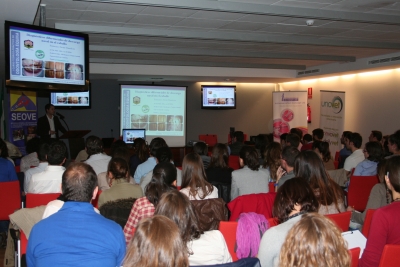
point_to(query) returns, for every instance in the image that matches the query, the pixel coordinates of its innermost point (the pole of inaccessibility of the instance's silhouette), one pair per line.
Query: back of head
(293, 140)
(272, 158)
(43, 150)
(141, 149)
(294, 191)
(297, 131)
(239, 136)
(314, 241)
(200, 148)
(164, 175)
(121, 152)
(318, 134)
(57, 153)
(374, 150)
(307, 138)
(117, 145)
(377, 135)
(219, 156)
(394, 139)
(33, 145)
(119, 168)
(356, 139)
(94, 145)
(155, 144)
(249, 156)
(323, 148)
(381, 170)
(164, 154)
(289, 154)
(393, 172)
(78, 182)
(3, 149)
(283, 136)
(157, 242)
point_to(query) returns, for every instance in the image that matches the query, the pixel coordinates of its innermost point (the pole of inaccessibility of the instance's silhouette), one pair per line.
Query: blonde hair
(314, 241)
(157, 242)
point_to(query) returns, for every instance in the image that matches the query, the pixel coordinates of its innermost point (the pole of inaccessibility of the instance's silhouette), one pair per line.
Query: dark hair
(33, 145)
(141, 149)
(119, 168)
(310, 166)
(239, 136)
(394, 139)
(155, 144)
(219, 156)
(78, 182)
(94, 145)
(57, 153)
(289, 154)
(272, 158)
(48, 106)
(377, 135)
(164, 174)
(346, 134)
(179, 208)
(261, 143)
(293, 139)
(295, 190)
(356, 139)
(3, 149)
(375, 151)
(121, 152)
(323, 148)
(297, 131)
(319, 133)
(283, 136)
(194, 176)
(200, 148)
(116, 145)
(307, 138)
(381, 170)
(393, 170)
(164, 154)
(43, 150)
(249, 156)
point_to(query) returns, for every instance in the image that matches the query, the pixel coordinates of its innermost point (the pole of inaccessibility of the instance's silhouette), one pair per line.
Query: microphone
(61, 116)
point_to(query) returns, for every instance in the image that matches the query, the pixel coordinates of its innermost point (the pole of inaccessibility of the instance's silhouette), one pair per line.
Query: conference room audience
(237, 143)
(375, 136)
(97, 159)
(201, 148)
(282, 139)
(394, 145)
(219, 170)
(329, 194)
(344, 152)
(164, 180)
(31, 158)
(385, 145)
(373, 154)
(353, 143)
(251, 179)
(293, 199)
(293, 140)
(141, 154)
(42, 156)
(194, 179)
(322, 149)
(287, 159)
(272, 159)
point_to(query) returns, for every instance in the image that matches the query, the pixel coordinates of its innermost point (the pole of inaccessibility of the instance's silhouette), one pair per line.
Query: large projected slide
(161, 110)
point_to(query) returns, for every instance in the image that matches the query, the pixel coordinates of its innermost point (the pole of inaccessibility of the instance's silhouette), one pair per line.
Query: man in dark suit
(49, 125)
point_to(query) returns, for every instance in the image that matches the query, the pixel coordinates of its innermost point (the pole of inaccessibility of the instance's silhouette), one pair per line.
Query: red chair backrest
(228, 230)
(209, 139)
(337, 156)
(359, 190)
(10, 199)
(24, 242)
(96, 200)
(259, 203)
(342, 220)
(272, 222)
(271, 187)
(355, 255)
(34, 200)
(367, 222)
(336, 164)
(390, 256)
(234, 162)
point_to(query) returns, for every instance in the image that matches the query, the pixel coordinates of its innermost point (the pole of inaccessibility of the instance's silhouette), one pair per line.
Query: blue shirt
(76, 236)
(7, 171)
(366, 168)
(144, 169)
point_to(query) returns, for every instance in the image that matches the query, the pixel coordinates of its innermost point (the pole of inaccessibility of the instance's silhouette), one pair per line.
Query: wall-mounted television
(45, 58)
(71, 99)
(218, 97)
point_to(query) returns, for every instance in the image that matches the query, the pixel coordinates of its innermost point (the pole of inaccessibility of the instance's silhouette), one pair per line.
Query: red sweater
(384, 230)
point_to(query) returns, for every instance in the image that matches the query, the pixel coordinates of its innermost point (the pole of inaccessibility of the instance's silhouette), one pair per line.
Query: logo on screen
(336, 104)
(39, 54)
(28, 44)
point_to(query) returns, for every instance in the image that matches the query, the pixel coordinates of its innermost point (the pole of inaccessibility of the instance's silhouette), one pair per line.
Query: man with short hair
(317, 135)
(353, 143)
(283, 139)
(375, 136)
(49, 180)
(237, 143)
(289, 154)
(97, 159)
(49, 125)
(42, 153)
(293, 140)
(76, 235)
(344, 152)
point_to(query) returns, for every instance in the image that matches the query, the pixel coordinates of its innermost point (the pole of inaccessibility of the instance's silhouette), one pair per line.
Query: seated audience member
(322, 149)
(375, 136)
(82, 156)
(76, 235)
(385, 146)
(385, 222)
(353, 143)
(219, 170)
(394, 145)
(141, 154)
(237, 143)
(150, 163)
(317, 135)
(293, 140)
(163, 154)
(251, 179)
(344, 152)
(293, 199)
(42, 153)
(373, 154)
(164, 180)
(283, 140)
(157, 242)
(7, 170)
(299, 133)
(97, 159)
(203, 248)
(261, 142)
(314, 241)
(49, 180)
(194, 179)
(329, 194)
(118, 172)
(285, 172)
(272, 159)
(307, 139)
(31, 159)
(378, 197)
(201, 148)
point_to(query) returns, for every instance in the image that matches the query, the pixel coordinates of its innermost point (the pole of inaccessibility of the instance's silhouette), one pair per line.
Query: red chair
(336, 164)
(259, 203)
(359, 190)
(209, 139)
(342, 220)
(337, 156)
(271, 187)
(367, 222)
(272, 222)
(234, 162)
(10, 199)
(390, 256)
(355, 255)
(228, 230)
(24, 242)
(34, 200)
(95, 202)
(17, 169)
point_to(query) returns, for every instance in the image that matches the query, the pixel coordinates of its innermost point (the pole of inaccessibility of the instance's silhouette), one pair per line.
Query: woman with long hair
(373, 153)
(322, 149)
(293, 199)
(329, 194)
(141, 154)
(219, 170)
(314, 241)
(163, 180)
(272, 159)
(385, 222)
(203, 248)
(157, 242)
(194, 179)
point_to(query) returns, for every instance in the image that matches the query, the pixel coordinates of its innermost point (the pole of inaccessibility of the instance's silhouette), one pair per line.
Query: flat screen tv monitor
(70, 100)
(45, 58)
(218, 97)
(129, 135)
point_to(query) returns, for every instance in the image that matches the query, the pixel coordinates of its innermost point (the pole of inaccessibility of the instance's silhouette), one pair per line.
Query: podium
(75, 140)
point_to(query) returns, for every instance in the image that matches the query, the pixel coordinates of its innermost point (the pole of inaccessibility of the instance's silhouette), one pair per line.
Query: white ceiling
(237, 35)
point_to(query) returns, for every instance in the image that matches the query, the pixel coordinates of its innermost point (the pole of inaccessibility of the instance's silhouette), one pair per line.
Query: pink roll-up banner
(289, 111)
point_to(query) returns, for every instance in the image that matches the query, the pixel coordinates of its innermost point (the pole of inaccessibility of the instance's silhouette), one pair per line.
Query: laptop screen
(129, 135)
